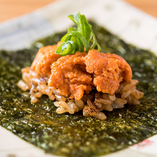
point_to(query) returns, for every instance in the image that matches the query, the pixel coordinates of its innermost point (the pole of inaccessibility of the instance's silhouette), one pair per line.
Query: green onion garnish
(79, 39)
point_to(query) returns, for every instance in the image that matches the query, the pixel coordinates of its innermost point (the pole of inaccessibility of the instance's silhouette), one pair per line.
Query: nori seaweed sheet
(75, 135)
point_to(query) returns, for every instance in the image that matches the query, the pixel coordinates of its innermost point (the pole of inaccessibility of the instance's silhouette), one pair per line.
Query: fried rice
(92, 104)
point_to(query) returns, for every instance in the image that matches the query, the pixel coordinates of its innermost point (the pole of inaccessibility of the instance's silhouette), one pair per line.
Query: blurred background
(13, 8)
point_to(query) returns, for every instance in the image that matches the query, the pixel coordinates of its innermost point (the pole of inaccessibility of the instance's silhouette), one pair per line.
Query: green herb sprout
(79, 39)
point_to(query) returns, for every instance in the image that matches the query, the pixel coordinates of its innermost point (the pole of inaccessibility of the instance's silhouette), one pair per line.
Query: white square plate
(129, 23)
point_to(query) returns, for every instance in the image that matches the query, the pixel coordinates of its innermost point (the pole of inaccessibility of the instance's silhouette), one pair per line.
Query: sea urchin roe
(68, 75)
(108, 70)
(44, 58)
(74, 75)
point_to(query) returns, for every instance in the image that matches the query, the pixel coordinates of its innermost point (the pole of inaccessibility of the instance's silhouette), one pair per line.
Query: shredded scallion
(79, 39)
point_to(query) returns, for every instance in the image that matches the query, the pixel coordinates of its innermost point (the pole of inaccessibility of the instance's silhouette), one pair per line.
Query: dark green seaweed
(75, 135)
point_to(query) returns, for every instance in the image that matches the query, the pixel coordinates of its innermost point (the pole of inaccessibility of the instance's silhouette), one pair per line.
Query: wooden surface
(13, 8)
